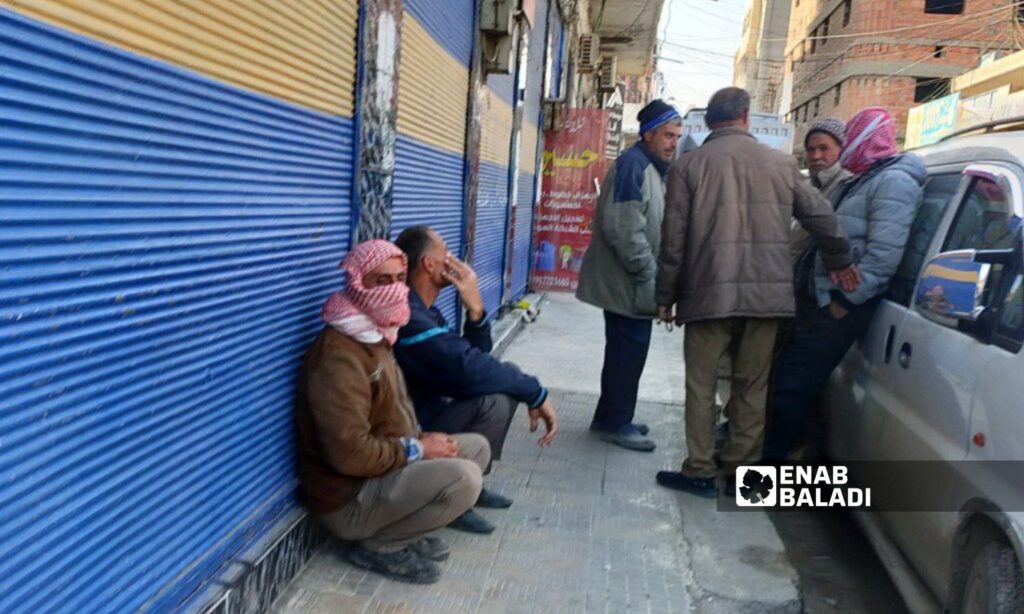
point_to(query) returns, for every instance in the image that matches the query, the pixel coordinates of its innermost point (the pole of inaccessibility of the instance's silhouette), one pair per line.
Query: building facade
(180, 182)
(759, 61)
(845, 55)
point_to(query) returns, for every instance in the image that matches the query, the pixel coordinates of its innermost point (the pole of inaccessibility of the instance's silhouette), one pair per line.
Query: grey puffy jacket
(876, 209)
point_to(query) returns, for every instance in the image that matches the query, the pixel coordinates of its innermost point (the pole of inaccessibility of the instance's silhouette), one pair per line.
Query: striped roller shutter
(433, 93)
(493, 190)
(526, 181)
(175, 190)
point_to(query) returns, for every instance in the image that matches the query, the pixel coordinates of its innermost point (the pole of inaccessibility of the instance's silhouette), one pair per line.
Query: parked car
(940, 377)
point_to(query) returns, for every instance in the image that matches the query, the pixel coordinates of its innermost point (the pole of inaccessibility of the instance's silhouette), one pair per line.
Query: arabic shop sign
(573, 169)
(928, 123)
(614, 107)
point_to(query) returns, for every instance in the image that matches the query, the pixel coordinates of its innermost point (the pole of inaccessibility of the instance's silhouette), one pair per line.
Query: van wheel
(994, 583)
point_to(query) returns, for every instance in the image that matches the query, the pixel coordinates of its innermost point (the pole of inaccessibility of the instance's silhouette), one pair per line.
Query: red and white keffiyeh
(369, 315)
(870, 137)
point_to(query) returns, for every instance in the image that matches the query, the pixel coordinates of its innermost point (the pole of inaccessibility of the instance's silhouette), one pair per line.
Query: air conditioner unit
(590, 51)
(607, 76)
(498, 16)
(498, 54)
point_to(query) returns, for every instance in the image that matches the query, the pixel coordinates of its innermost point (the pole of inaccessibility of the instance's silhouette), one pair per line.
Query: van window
(985, 219)
(939, 190)
(1010, 329)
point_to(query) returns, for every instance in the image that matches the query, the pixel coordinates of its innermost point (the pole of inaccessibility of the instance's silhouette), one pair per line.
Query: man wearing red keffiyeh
(367, 470)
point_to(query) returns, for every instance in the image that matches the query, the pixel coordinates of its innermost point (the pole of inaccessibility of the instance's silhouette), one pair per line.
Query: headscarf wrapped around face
(870, 137)
(369, 314)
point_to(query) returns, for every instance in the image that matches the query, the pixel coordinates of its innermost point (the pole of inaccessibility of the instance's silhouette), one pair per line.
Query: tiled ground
(589, 532)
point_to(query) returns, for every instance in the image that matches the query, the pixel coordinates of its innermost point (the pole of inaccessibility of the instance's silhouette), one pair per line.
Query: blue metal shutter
(167, 243)
(493, 192)
(437, 43)
(531, 136)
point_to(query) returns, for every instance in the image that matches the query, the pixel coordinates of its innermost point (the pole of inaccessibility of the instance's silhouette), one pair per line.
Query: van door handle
(905, 353)
(889, 340)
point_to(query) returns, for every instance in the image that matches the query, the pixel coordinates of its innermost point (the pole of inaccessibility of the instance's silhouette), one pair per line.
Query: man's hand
(847, 279)
(545, 412)
(438, 445)
(666, 314)
(838, 311)
(463, 277)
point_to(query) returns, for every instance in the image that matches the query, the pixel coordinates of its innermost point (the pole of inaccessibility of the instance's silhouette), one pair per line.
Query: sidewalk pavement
(590, 531)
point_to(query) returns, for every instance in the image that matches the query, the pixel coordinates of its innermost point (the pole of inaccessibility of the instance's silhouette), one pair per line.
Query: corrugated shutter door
(168, 239)
(493, 191)
(529, 138)
(437, 41)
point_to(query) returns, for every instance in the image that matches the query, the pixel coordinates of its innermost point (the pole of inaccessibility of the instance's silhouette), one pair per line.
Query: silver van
(940, 377)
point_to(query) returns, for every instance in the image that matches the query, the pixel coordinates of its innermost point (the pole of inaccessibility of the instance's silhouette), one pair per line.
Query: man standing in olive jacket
(725, 271)
(619, 268)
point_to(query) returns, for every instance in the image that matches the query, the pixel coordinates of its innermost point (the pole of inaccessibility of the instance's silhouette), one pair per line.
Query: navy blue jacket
(440, 366)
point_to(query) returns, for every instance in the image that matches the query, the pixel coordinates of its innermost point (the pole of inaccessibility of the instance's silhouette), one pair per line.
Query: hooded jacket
(876, 209)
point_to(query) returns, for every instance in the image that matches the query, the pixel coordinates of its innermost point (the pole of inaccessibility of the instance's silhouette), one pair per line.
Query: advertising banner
(573, 167)
(928, 123)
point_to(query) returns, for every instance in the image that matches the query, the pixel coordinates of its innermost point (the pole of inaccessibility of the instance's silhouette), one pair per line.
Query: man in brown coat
(725, 272)
(368, 473)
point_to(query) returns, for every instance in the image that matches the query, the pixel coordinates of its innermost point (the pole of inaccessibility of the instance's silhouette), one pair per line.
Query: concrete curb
(508, 326)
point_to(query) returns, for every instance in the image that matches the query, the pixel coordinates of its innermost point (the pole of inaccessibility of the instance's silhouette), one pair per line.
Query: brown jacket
(725, 238)
(351, 411)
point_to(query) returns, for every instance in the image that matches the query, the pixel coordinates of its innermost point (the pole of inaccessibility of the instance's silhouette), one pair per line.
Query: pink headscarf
(870, 137)
(369, 315)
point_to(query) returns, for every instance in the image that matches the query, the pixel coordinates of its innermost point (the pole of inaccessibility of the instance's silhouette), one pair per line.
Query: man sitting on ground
(367, 471)
(455, 383)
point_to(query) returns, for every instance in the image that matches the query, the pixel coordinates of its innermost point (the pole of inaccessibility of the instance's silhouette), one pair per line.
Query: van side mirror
(952, 288)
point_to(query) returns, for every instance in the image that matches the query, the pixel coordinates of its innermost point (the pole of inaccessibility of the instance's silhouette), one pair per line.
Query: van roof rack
(987, 127)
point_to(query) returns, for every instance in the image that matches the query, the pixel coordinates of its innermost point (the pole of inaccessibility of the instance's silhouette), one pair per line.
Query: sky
(709, 32)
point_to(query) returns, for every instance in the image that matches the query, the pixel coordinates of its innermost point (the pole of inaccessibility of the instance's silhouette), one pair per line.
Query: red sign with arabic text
(573, 167)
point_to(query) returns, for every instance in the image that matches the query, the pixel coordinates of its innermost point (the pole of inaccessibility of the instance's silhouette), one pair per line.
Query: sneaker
(471, 522)
(599, 427)
(630, 438)
(404, 565)
(702, 487)
(492, 500)
(431, 549)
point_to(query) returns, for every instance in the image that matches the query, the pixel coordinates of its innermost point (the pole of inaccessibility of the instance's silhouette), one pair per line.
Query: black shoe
(730, 486)
(702, 487)
(599, 427)
(471, 522)
(431, 549)
(492, 500)
(404, 565)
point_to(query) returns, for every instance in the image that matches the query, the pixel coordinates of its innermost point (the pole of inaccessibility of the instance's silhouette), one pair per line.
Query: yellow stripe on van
(300, 51)
(433, 90)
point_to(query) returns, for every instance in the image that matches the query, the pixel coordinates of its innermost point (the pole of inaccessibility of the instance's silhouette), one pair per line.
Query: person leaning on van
(876, 209)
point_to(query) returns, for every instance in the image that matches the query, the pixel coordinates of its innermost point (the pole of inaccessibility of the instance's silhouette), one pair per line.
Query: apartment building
(844, 55)
(758, 65)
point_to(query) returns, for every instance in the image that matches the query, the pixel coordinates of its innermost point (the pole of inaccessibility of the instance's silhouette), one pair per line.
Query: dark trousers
(490, 416)
(817, 344)
(627, 341)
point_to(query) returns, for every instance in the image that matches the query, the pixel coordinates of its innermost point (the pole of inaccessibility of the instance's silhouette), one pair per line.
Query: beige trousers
(705, 344)
(395, 510)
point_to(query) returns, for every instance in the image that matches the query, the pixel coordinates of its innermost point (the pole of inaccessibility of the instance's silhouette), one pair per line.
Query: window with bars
(847, 7)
